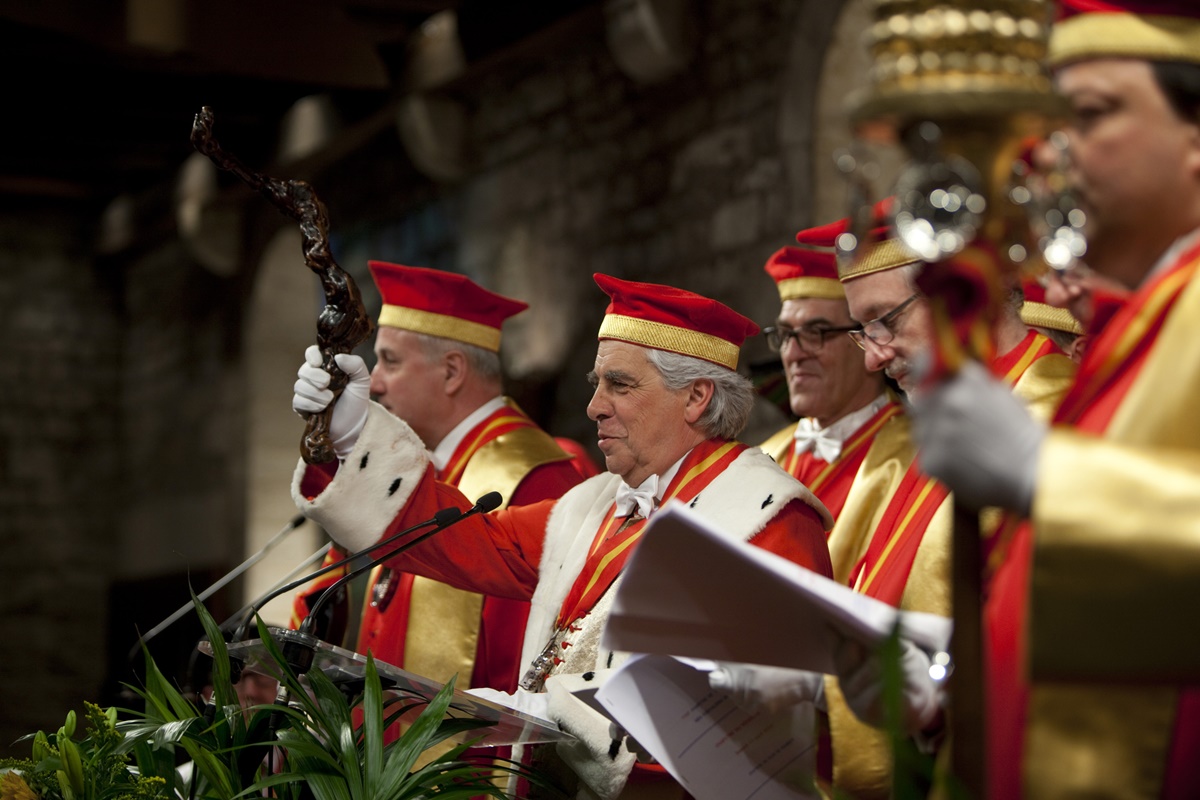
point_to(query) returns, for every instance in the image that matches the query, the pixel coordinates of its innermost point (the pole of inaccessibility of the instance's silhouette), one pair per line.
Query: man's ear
(700, 394)
(454, 364)
(1079, 347)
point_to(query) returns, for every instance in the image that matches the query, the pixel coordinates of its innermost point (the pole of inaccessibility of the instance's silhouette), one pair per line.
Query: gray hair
(483, 363)
(911, 272)
(733, 395)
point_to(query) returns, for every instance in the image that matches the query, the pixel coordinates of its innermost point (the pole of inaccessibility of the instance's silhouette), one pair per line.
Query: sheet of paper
(713, 747)
(691, 590)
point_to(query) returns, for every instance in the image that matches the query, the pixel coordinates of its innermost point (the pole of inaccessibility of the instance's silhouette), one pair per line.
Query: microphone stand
(441, 519)
(271, 595)
(292, 525)
(279, 584)
(299, 647)
(251, 610)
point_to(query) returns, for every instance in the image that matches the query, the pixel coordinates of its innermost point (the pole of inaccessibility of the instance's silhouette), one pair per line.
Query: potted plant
(323, 744)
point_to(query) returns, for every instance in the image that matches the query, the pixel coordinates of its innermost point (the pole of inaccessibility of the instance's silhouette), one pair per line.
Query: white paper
(691, 590)
(534, 704)
(712, 746)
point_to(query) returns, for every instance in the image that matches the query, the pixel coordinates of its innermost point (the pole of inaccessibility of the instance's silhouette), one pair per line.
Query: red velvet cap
(443, 304)
(823, 235)
(1155, 30)
(1035, 311)
(826, 235)
(675, 320)
(880, 252)
(801, 273)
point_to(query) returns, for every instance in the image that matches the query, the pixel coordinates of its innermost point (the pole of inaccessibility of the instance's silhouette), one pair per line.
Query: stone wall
(577, 168)
(60, 459)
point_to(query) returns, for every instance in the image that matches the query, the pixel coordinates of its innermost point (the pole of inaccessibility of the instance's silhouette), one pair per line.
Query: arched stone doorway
(280, 324)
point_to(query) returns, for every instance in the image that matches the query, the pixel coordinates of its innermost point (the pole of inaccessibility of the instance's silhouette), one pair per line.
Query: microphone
(442, 520)
(442, 517)
(299, 647)
(292, 525)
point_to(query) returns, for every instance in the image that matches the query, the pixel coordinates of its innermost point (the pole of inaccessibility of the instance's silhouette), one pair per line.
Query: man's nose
(597, 408)
(878, 356)
(792, 350)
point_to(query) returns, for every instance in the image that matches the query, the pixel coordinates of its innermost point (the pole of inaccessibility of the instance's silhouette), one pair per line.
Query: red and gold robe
(856, 486)
(908, 561)
(1092, 663)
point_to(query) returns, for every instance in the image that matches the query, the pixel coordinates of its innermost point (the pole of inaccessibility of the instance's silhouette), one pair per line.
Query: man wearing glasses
(903, 557)
(852, 441)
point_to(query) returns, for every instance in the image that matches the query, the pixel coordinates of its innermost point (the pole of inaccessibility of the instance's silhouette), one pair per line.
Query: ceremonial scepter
(343, 323)
(964, 88)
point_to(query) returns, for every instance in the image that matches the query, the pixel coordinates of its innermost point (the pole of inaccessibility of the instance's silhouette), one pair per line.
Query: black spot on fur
(587, 676)
(395, 485)
(363, 463)
(695, 500)
(770, 499)
(608, 661)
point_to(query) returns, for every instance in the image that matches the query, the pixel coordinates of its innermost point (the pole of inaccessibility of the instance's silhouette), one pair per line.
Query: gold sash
(1111, 503)
(442, 638)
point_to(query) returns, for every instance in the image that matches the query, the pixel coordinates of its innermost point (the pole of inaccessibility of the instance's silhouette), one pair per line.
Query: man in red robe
(852, 437)
(1091, 680)
(438, 368)
(668, 404)
(903, 557)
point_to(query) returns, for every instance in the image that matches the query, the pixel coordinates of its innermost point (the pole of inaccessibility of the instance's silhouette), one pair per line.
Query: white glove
(979, 439)
(770, 689)
(860, 677)
(312, 396)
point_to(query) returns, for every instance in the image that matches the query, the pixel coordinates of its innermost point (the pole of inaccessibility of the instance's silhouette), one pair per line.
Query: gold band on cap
(888, 254)
(1042, 315)
(443, 325)
(806, 287)
(670, 338)
(1154, 37)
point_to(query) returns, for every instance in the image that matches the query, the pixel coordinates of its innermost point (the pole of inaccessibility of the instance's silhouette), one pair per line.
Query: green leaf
(372, 725)
(223, 692)
(214, 771)
(417, 738)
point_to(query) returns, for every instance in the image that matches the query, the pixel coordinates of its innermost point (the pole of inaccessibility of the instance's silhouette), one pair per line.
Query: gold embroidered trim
(674, 339)
(820, 288)
(448, 327)
(1149, 36)
(888, 254)
(1041, 315)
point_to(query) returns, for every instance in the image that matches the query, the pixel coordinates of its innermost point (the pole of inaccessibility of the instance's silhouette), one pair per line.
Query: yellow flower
(14, 787)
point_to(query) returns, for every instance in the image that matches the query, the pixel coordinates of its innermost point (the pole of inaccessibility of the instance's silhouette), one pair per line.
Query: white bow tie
(644, 498)
(810, 436)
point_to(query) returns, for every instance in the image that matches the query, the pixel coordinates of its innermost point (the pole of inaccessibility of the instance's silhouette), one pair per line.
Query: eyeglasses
(809, 337)
(881, 330)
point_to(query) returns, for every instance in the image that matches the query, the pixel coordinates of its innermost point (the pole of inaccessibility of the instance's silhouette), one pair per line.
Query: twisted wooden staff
(343, 323)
